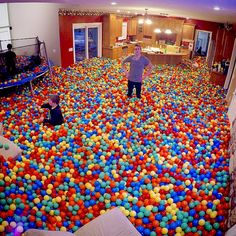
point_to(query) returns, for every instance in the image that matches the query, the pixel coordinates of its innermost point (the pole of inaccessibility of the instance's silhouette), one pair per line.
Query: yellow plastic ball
(49, 191)
(5, 223)
(33, 177)
(132, 213)
(63, 229)
(164, 231)
(186, 171)
(58, 199)
(50, 186)
(168, 208)
(51, 212)
(36, 200)
(102, 212)
(178, 230)
(149, 207)
(204, 202)
(213, 214)
(201, 222)
(126, 212)
(187, 182)
(2, 228)
(13, 207)
(7, 179)
(46, 197)
(88, 185)
(170, 200)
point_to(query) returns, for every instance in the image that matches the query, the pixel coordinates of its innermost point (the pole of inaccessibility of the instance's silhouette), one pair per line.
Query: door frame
(209, 42)
(86, 26)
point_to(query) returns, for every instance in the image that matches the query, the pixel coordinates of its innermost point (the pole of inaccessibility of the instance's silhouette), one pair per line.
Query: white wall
(4, 21)
(37, 19)
(4, 26)
(232, 96)
(230, 84)
(232, 109)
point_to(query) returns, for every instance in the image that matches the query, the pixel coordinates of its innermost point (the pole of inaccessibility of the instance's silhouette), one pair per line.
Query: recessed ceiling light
(113, 3)
(216, 8)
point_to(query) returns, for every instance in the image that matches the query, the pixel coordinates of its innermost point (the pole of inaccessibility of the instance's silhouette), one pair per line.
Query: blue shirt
(136, 67)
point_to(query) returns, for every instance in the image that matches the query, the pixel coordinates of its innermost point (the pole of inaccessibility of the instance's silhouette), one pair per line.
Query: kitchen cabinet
(112, 28)
(118, 26)
(217, 78)
(148, 30)
(132, 26)
(188, 31)
(113, 53)
(186, 52)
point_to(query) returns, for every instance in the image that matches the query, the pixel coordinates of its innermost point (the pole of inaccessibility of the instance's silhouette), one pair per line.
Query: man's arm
(123, 66)
(149, 68)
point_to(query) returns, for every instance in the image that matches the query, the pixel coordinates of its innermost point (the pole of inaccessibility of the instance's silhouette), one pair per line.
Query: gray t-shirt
(136, 67)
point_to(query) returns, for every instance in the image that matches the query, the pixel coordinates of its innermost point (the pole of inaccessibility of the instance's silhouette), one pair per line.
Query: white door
(5, 35)
(87, 41)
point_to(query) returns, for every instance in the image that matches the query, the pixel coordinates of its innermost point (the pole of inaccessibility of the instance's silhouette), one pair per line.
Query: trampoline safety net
(29, 54)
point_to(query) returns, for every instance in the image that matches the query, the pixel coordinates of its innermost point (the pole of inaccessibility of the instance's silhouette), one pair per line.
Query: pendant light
(145, 20)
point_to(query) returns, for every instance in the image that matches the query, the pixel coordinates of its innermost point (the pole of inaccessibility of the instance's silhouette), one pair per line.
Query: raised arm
(127, 59)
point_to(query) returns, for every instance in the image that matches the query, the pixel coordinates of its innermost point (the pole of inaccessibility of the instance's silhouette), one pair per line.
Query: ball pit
(162, 159)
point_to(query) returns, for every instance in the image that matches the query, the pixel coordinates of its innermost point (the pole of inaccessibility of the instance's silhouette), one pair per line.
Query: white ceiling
(193, 9)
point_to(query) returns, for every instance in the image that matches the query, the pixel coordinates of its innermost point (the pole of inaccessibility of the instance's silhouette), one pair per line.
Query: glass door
(79, 44)
(92, 42)
(87, 41)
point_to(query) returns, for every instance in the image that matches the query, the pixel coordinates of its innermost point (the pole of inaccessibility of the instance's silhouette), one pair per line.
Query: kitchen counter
(167, 58)
(115, 52)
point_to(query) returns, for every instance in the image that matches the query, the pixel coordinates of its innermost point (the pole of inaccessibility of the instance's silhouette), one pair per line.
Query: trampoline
(31, 62)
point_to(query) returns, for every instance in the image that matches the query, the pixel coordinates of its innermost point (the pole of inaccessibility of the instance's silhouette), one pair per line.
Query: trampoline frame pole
(46, 55)
(31, 88)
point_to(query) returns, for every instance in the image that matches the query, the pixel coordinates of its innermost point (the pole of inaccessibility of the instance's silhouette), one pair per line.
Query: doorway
(202, 43)
(87, 41)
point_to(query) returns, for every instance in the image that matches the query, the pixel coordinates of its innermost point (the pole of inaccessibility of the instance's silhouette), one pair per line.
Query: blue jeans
(137, 86)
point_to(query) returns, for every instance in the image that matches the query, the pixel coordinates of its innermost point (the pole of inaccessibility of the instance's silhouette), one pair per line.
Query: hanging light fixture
(168, 31)
(157, 30)
(145, 20)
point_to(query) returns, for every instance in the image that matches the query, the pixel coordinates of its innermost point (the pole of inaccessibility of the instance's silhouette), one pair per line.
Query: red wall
(66, 35)
(224, 39)
(205, 25)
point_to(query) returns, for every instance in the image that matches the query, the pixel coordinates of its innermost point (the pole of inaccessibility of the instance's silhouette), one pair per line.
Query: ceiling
(193, 9)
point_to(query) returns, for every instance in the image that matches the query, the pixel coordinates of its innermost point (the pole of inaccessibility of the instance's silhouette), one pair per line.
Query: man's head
(54, 100)
(137, 49)
(9, 46)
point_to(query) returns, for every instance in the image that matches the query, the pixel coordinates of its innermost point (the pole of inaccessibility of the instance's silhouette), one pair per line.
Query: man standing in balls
(135, 75)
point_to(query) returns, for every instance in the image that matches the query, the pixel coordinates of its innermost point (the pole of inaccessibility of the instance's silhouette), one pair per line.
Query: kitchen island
(165, 58)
